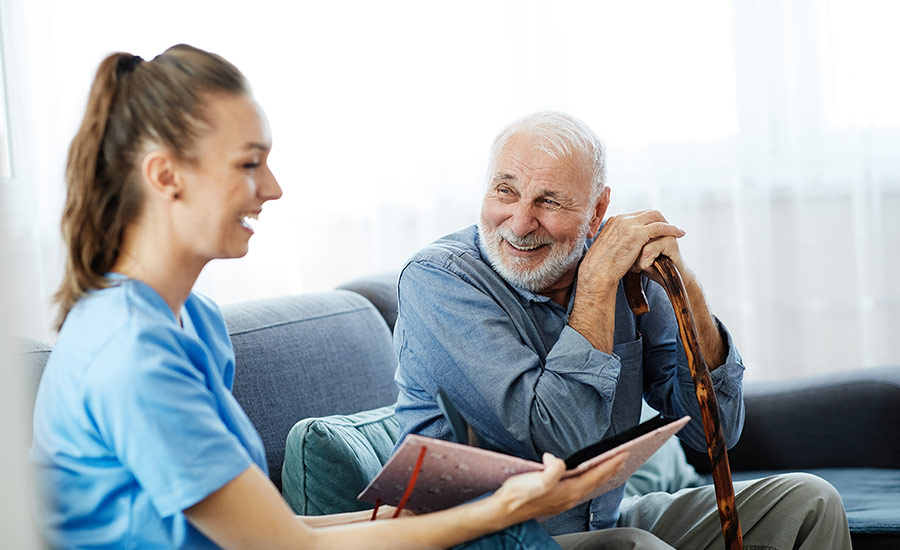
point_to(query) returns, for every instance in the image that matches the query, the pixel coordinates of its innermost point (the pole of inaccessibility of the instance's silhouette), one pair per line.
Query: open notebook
(447, 473)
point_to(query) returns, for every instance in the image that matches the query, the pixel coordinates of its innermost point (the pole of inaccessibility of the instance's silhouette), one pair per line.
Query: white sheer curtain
(769, 130)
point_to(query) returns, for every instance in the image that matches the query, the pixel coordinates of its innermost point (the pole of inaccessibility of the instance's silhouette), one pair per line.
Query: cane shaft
(703, 387)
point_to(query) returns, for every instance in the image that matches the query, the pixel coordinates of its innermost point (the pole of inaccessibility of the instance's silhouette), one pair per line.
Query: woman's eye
(252, 165)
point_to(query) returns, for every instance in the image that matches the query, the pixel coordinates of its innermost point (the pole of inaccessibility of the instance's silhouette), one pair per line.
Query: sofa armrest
(846, 419)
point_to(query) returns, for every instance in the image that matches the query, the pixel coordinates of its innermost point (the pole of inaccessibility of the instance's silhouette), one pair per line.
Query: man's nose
(522, 222)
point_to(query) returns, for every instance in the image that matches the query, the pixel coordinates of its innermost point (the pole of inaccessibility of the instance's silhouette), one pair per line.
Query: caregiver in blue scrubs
(138, 441)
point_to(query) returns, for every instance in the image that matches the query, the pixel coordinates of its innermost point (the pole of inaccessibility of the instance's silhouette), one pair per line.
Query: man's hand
(628, 242)
(631, 242)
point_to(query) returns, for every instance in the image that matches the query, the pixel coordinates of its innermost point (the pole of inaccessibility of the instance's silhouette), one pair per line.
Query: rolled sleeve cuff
(727, 378)
(573, 355)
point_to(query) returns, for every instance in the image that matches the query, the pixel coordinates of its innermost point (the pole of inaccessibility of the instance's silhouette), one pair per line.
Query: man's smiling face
(536, 214)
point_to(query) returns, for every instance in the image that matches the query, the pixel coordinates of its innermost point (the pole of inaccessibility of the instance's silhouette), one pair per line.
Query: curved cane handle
(703, 387)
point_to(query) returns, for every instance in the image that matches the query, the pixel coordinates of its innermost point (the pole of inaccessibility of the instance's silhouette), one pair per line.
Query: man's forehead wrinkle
(535, 170)
(519, 163)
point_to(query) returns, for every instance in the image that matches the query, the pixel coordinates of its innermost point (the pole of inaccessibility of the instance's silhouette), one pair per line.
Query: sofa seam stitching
(296, 321)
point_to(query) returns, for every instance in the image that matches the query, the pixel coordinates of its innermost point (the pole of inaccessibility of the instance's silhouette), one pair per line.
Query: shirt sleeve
(456, 337)
(156, 411)
(669, 387)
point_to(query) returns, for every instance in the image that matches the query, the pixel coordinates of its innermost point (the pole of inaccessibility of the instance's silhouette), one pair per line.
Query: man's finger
(646, 217)
(662, 229)
(652, 250)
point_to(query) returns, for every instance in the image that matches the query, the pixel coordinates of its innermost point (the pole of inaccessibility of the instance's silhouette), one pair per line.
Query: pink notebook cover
(452, 473)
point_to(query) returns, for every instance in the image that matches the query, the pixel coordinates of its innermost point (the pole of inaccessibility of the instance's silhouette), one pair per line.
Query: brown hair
(131, 104)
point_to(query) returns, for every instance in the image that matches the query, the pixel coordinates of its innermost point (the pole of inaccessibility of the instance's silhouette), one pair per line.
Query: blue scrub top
(135, 421)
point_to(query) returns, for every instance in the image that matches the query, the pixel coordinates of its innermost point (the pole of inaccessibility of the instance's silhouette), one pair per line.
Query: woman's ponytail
(86, 258)
(131, 105)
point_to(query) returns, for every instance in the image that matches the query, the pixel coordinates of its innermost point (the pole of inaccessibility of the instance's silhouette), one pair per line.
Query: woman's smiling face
(227, 179)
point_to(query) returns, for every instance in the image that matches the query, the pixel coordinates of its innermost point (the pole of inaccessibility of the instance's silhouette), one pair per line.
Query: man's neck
(560, 290)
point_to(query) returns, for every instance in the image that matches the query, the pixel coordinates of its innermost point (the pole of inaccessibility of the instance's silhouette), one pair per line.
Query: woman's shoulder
(130, 320)
(122, 300)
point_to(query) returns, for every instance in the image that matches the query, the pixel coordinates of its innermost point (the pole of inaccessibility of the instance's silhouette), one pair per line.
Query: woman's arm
(249, 512)
(384, 512)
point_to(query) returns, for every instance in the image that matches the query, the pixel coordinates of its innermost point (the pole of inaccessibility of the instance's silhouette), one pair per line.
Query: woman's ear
(599, 211)
(160, 172)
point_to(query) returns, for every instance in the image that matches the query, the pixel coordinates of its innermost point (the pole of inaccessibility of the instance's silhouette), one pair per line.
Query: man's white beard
(563, 256)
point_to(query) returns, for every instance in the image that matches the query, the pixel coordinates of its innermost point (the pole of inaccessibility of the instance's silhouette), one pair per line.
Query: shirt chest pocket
(629, 353)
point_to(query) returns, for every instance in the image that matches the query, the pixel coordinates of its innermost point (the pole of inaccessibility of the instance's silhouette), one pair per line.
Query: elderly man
(523, 321)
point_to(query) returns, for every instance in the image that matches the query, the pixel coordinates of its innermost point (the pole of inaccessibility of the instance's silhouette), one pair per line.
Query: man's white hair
(558, 135)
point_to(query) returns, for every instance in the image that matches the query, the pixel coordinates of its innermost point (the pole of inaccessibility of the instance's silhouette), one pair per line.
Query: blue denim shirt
(529, 383)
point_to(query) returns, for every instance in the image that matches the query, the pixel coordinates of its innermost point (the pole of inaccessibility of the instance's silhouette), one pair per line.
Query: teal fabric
(667, 470)
(328, 461)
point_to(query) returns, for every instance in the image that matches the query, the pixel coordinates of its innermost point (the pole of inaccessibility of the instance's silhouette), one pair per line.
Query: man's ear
(160, 171)
(599, 211)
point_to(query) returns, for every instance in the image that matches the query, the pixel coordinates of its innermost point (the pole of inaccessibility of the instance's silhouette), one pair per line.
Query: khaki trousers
(785, 512)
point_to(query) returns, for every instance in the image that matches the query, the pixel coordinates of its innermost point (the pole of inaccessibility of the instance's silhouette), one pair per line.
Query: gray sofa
(330, 353)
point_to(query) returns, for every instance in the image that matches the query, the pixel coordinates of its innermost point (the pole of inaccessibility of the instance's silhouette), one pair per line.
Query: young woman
(137, 439)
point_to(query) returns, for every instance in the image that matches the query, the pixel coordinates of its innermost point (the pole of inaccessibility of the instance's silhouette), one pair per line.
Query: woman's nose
(269, 189)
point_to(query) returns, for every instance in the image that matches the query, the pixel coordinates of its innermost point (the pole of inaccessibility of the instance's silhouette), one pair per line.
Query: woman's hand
(539, 494)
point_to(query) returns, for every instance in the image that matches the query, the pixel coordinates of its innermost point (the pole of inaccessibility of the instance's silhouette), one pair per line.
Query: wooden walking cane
(706, 396)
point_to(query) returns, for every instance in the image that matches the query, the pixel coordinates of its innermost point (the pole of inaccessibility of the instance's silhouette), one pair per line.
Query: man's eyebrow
(504, 177)
(561, 198)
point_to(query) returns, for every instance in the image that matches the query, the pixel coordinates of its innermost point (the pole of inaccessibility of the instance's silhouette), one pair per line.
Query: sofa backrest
(296, 357)
(381, 290)
(308, 355)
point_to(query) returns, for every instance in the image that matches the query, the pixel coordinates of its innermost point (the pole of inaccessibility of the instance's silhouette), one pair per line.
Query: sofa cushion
(306, 356)
(329, 461)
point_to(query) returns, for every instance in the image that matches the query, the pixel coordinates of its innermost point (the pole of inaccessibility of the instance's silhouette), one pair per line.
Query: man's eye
(549, 202)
